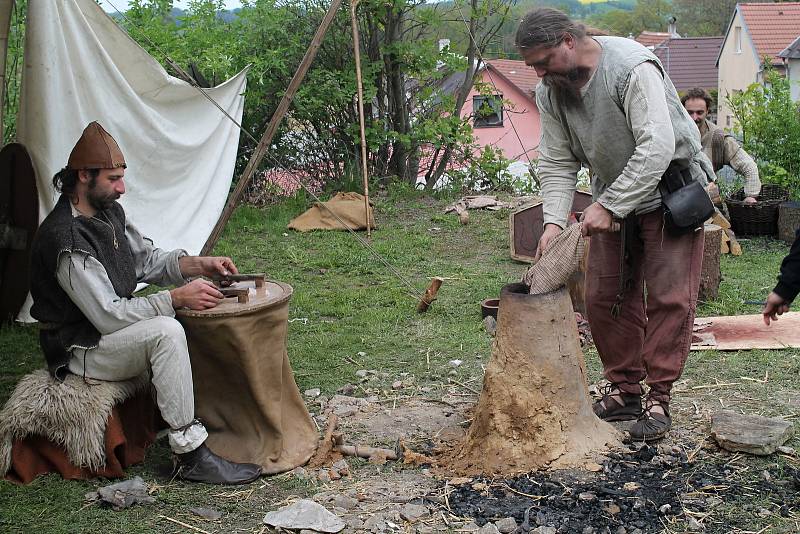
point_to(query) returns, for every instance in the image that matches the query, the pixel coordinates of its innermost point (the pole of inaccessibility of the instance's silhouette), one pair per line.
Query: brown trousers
(651, 337)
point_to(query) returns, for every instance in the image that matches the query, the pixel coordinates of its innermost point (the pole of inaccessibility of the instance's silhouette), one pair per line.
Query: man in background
(721, 148)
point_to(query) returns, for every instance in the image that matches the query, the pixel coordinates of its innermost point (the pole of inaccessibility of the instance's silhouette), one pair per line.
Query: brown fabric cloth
(558, 262)
(131, 428)
(244, 388)
(348, 206)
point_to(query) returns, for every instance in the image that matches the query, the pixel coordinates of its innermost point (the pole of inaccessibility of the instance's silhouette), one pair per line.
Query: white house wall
(737, 69)
(793, 75)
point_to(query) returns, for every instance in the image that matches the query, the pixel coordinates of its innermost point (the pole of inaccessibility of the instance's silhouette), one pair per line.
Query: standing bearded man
(606, 103)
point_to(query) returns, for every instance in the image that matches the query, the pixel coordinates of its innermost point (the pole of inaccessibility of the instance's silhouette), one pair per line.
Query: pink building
(507, 117)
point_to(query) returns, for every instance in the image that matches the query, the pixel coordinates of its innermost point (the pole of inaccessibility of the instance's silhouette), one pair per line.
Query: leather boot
(202, 465)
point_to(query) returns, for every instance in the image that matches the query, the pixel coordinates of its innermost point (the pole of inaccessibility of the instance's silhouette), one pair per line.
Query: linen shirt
(735, 156)
(86, 282)
(645, 107)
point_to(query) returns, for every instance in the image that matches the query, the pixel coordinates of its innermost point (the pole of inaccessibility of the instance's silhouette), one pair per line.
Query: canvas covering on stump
(244, 388)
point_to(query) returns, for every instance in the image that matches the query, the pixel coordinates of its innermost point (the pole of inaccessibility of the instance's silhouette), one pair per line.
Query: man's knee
(167, 329)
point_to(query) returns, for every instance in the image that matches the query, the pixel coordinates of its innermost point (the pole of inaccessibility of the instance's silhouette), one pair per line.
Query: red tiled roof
(652, 38)
(772, 27)
(691, 61)
(516, 72)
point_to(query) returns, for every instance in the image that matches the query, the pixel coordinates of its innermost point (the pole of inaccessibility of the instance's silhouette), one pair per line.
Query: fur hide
(72, 414)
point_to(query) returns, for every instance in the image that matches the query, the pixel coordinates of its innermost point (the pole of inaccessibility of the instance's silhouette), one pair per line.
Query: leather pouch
(686, 203)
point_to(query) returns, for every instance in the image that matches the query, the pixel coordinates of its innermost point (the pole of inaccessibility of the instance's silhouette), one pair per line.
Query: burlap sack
(245, 392)
(558, 262)
(349, 207)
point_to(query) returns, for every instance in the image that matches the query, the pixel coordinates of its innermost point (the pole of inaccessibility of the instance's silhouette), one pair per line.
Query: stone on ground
(489, 528)
(304, 514)
(206, 513)
(507, 525)
(413, 512)
(123, 494)
(345, 502)
(752, 434)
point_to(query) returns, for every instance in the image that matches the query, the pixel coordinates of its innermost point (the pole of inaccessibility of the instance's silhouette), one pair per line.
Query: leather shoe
(202, 465)
(608, 409)
(651, 425)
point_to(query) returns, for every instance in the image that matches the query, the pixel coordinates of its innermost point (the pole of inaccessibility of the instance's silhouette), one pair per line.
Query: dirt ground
(393, 497)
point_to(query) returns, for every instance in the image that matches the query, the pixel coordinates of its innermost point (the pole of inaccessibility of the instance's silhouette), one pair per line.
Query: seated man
(721, 148)
(86, 261)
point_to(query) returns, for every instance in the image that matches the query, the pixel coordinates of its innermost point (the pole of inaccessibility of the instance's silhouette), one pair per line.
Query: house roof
(792, 51)
(652, 38)
(517, 73)
(772, 27)
(691, 61)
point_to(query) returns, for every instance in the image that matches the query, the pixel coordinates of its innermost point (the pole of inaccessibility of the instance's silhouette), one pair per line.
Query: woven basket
(760, 218)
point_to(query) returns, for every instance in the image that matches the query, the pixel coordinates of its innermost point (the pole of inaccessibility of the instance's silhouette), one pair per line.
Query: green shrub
(769, 124)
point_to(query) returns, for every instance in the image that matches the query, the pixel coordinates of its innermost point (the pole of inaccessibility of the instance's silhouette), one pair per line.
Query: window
(737, 35)
(488, 111)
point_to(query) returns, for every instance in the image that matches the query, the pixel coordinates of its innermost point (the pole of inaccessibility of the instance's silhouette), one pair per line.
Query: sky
(183, 4)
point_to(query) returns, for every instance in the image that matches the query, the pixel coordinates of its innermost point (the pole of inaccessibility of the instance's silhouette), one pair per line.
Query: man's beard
(100, 201)
(567, 87)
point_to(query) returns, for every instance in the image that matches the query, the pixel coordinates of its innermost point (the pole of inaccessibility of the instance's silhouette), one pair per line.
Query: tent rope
(414, 292)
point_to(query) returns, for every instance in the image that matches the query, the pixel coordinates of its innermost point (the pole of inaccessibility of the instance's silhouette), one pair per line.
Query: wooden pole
(272, 127)
(430, 294)
(357, 54)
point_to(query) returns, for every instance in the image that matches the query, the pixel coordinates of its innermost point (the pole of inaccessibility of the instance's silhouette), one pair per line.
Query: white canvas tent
(180, 150)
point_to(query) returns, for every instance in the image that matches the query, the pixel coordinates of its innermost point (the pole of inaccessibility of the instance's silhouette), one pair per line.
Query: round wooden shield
(19, 219)
(527, 226)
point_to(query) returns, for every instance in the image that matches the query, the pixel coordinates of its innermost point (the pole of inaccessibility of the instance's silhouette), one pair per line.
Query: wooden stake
(325, 448)
(357, 54)
(272, 127)
(430, 294)
(362, 451)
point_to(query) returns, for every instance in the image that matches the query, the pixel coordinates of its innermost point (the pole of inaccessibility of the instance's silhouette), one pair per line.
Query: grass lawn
(355, 314)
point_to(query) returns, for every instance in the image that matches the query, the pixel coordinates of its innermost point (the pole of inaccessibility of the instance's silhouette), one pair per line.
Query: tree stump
(534, 410)
(788, 220)
(710, 274)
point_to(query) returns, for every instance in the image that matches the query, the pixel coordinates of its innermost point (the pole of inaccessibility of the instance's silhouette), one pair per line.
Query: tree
(646, 15)
(406, 109)
(13, 73)
(769, 123)
(697, 18)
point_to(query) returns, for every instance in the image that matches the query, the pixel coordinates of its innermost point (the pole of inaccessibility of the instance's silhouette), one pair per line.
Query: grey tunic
(630, 127)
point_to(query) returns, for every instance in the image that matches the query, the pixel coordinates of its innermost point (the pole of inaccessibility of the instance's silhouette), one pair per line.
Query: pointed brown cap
(96, 149)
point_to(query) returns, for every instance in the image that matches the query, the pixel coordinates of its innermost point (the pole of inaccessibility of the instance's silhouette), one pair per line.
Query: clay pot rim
(490, 307)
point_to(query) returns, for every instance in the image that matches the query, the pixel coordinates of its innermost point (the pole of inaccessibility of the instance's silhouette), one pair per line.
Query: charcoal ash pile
(642, 490)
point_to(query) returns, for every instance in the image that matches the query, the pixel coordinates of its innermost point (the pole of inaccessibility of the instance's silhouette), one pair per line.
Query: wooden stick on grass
(430, 294)
(181, 523)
